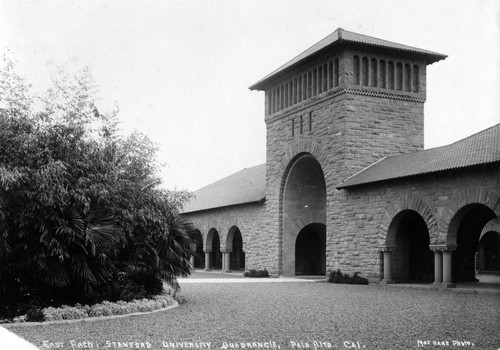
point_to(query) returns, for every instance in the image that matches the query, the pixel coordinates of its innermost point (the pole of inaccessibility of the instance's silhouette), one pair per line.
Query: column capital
(208, 250)
(444, 248)
(226, 251)
(386, 249)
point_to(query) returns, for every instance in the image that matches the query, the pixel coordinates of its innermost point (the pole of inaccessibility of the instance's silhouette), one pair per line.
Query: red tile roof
(478, 149)
(341, 36)
(245, 186)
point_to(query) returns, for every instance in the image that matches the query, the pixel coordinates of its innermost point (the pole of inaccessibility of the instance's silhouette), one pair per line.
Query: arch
(356, 66)
(337, 72)
(275, 100)
(212, 246)
(199, 256)
(295, 90)
(309, 84)
(488, 256)
(302, 147)
(412, 258)
(416, 78)
(390, 75)
(468, 224)
(302, 202)
(314, 82)
(470, 195)
(325, 77)
(373, 72)
(388, 236)
(234, 245)
(399, 76)
(383, 74)
(299, 89)
(491, 226)
(320, 80)
(278, 98)
(364, 71)
(310, 250)
(287, 94)
(407, 77)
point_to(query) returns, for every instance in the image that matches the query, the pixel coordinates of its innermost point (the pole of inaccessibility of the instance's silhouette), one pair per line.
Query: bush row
(106, 308)
(339, 277)
(256, 273)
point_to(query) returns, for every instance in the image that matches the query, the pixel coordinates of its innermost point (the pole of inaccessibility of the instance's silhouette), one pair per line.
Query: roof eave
(258, 201)
(261, 85)
(341, 186)
(264, 82)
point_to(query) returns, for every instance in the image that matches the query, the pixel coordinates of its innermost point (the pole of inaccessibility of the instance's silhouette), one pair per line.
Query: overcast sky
(180, 70)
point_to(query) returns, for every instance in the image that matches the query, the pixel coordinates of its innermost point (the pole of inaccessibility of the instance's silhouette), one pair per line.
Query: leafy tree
(81, 212)
(15, 93)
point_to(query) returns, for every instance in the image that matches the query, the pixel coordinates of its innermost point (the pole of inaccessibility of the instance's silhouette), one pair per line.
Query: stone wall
(369, 210)
(248, 219)
(344, 111)
(344, 132)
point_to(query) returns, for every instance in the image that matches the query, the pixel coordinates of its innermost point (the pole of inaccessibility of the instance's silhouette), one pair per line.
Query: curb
(86, 319)
(451, 290)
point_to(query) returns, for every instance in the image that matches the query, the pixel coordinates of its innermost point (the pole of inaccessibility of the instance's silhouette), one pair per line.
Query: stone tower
(341, 105)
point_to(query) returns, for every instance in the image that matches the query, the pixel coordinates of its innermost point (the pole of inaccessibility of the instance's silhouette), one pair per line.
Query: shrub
(22, 318)
(339, 277)
(106, 308)
(35, 314)
(256, 273)
(51, 314)
(99, 310)
(64, 312)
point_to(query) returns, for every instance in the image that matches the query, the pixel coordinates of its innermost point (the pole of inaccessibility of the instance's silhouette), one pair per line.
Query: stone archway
(234, 246)
(213, 258)
(408, 222)
(413, 203)
(466, 227)
(412, 259)
(488, 256)
(310, 250)
(303, 203)
(198, 260)
(470, 195)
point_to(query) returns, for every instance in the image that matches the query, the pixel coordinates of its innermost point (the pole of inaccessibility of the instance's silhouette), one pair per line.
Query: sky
(180, 70)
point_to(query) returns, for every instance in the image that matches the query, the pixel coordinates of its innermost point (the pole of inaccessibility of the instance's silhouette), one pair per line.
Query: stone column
(438, 265)
(447, 267)
(223, 261)
(191, 259)
(207, 261)
(227, 261)
(481, 261)
(387, 251)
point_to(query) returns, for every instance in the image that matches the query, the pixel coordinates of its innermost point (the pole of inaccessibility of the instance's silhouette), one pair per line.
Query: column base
(383, 282)
(447, 285)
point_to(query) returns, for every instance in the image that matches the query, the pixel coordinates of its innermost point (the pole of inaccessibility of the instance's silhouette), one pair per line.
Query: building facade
(347, 183)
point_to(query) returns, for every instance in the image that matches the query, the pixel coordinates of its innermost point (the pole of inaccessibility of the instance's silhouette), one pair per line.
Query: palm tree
(77, 251)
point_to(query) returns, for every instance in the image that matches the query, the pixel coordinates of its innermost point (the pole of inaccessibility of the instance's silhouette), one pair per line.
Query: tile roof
(341, 36)
(245, 186)
(478, 149)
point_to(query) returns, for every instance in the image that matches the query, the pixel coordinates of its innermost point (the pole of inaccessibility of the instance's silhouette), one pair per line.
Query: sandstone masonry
(335, 115)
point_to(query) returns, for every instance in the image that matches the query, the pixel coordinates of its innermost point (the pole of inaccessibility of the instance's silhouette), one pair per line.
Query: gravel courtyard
(294, 315)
